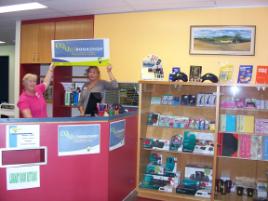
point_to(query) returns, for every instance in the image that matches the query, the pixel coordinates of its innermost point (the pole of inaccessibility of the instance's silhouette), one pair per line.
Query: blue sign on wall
(78, 139)
(117, 134)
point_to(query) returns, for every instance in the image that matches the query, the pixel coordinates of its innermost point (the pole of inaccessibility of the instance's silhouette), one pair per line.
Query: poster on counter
(22, 136)
(23, 177)
(78, 139)
(117, 134)
(80, 52)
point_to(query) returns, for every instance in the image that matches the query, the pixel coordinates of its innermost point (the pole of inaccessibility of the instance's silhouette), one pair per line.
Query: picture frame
(222, 40)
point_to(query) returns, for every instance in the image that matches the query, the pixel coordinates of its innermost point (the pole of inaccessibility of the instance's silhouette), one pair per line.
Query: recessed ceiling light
(2, 42)
(21, 7)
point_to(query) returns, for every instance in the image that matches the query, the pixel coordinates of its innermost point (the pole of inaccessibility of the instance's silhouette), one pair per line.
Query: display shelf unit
(222, 166)
(236, 166)
(149, 89)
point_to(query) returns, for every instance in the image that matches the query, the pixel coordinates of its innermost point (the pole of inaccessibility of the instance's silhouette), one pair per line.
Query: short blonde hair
(29, 76)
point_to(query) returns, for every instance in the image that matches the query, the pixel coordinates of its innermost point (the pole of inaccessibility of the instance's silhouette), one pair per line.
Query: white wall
(9, 50)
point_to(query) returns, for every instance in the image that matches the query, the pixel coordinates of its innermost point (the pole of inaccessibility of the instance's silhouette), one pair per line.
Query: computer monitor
(94, 98)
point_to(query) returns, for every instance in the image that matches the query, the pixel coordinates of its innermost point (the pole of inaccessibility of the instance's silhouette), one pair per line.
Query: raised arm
(49, 75)
(110, 74)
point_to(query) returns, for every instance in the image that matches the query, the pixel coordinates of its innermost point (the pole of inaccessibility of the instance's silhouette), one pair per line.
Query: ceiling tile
(89, 5)
(170, 4)
(239, 3)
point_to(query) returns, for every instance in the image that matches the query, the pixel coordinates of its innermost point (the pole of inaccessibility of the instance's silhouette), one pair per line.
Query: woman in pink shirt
(32, 103)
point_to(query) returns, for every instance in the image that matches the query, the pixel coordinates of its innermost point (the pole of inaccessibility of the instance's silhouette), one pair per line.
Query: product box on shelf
(165, 121)
(176, 142)
(256, 147)
(197, 181)
(152, 119)
(195, 73)
(245, 146)
(226, 73)
(262, 75)
(201, 174)
(261, 126)
(245, 74)
(245, 123)
(227, 144)
(204, 143)
(155, 100)
(157, 144)
(265, 147)
(204, 99)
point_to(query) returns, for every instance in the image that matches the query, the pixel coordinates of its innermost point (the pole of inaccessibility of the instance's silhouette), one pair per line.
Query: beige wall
(167, 33)
(10, 51)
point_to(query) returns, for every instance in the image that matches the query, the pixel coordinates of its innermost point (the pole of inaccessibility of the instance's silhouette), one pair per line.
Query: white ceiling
(61, 8)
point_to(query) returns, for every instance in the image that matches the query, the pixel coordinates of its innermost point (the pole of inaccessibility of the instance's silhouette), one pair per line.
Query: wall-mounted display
(117, 134)
(78, 139)
(224, 40)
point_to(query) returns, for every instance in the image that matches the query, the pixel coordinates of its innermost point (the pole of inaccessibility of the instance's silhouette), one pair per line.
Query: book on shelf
(262, 75)
(195, 73)
(245, 123)
(244, 74)
(245, 146)
(228, 144)
(261, 126)
(256, 147)
(226, 73)
(265, 147)
(228, 122)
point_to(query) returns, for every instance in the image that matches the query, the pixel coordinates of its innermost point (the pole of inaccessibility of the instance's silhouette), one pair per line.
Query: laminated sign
(80, 52)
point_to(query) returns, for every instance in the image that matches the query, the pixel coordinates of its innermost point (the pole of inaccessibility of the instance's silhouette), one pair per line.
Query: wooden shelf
(179, 152)
(239, 158)
(202, 84)
(232, 197)
(154, 194)
(185, 106)
(242, 133)
(244, 109)
(239, 133)
(184, 129)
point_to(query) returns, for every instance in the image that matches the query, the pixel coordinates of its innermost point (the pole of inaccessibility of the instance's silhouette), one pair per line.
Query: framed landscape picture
(224, 40)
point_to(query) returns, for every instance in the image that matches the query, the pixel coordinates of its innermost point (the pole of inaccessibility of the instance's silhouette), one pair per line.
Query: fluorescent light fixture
(21, 7)
(2, 42)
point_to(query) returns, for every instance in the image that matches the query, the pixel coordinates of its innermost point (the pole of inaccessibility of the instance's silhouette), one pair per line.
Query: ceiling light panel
(21, 7)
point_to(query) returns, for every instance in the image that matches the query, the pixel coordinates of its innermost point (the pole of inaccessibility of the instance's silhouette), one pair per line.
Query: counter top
(67, 119)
